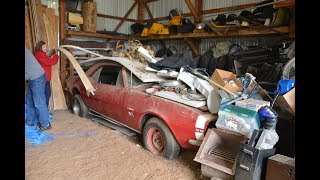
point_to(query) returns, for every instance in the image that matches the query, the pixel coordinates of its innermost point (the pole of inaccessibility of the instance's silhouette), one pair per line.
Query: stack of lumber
(41, 24)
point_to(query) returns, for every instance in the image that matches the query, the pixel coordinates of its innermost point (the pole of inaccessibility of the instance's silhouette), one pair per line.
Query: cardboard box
(220, 76)
(287, 101)
(89, 14)
(218, 152)
(280, 167)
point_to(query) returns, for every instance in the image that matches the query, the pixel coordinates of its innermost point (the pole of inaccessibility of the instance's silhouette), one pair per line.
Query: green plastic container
(237, 119)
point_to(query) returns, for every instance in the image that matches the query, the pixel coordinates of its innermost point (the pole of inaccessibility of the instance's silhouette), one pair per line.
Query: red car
(165, 125)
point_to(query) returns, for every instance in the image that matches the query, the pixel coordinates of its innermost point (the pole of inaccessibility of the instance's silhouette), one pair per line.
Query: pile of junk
(255, 114)
(256, 111)
(262, 15)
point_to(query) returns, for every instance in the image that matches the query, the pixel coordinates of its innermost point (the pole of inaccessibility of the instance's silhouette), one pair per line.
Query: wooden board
(58, 98)
(37, 15)
(27, 31)
(242, 31)
(177, 98)
(86, 82)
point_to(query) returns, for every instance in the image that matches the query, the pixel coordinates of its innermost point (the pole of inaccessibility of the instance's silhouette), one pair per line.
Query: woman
(46, 62)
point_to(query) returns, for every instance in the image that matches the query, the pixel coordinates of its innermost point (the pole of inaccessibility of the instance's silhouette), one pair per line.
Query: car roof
(136, 67)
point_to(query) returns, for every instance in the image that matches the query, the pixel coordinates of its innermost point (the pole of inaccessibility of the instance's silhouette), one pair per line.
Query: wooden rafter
(149, 1)
(210, 11)
(148, 10)
(112, 17)
(192, 9)
(125, 16)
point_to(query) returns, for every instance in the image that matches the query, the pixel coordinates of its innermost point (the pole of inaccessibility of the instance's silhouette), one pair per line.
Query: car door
(134, 101)
(108, 97)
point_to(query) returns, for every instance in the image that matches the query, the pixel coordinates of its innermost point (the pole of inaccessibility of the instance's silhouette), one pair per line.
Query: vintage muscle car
(121, 98)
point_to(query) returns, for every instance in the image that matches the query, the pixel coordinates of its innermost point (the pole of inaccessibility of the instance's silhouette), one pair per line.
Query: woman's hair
(39, 46)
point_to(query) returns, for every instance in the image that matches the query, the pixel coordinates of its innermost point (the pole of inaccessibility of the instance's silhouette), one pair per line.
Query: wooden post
(140, 11)
(198, 10)
(194, 44)
(192, 10)
(62, 15)
(125, 16)
(292, 31)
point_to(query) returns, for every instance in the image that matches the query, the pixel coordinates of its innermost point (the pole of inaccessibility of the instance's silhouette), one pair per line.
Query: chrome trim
(97, 114)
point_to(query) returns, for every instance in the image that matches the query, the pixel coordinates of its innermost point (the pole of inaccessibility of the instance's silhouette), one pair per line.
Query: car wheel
(158, 139)
(78, 107)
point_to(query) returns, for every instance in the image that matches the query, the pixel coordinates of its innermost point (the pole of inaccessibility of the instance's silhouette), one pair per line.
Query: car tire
(78, 106)
(158, 139)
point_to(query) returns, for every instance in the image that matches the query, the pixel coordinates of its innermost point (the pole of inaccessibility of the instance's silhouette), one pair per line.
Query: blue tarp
(35, 136)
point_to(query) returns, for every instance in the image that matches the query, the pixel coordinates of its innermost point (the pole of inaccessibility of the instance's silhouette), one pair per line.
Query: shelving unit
(193, 39)
(258, 31)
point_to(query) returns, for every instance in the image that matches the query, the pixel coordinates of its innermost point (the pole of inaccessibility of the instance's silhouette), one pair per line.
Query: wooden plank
(192, 10)
(37, 10)
(62, 32)
(125, 16)
(98, 35)
(287, 3)
(234, 33)
(149, 1)
(58, 98)
(210, 11)
(33, 37)
(111, 17)
(27, 32)
(86, 82)
(90, 44)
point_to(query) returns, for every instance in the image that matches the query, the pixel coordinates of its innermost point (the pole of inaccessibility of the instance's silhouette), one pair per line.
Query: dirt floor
(83, 149)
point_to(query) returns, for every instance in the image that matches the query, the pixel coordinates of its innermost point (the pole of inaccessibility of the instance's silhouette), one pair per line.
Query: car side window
(95, 75)
(135, 80)
(110, 75)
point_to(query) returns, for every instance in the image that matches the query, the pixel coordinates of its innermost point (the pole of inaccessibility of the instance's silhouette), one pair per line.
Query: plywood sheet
(58, 98)
(27, 31)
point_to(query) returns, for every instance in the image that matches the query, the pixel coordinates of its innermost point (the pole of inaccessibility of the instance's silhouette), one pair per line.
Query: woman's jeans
(47, 92)
(36, 106)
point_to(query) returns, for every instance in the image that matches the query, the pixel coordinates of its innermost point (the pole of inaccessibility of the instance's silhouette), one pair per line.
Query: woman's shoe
(47, 127)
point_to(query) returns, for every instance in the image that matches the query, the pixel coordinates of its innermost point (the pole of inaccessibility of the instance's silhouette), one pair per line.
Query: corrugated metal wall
(115, 8)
